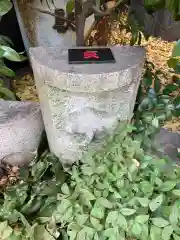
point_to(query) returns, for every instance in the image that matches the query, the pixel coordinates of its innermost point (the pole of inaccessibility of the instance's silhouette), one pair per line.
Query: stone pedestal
(81, 102)
(37, 27)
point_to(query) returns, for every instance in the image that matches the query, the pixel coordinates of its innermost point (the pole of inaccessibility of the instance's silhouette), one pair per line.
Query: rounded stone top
(14, 112)
(51, 67)
(57, 59)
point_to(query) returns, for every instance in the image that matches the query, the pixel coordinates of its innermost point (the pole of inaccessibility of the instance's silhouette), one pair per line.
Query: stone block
(21, 127)
(81, 102)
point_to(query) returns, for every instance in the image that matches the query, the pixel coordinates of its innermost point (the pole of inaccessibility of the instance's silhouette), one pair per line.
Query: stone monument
(81, 102)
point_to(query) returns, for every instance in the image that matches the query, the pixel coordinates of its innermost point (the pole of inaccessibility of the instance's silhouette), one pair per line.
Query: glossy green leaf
(7, 94)
(4, 40)
(98, 211)
(143, 201)
(155, 233)
(176, 192)
(167, 186)
(11, 54)
(142, 219)
(174, 215)
(136, 229)
(172, 63)
(5, 6)
(156, 203)
(157, 84)
(87, 194)
(127, 211)
(167, 232)
(160, 222)
(170, 88)
(105, 203)
(155, 122)
(5, 71)
(176, 49)
(70, 6)
(65, 189)
(145, 105)
(96, 223)
(147, 81)
(146, 187)
(176, 237)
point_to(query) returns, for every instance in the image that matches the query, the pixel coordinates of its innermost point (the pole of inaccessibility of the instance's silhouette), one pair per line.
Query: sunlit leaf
(5, 6)
(160, 222)
(156, 202)
(176, 49)
(70, 6)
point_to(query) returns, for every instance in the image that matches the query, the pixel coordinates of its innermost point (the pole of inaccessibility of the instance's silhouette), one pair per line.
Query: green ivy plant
(7, 52)
(157, 103)
(116, 193)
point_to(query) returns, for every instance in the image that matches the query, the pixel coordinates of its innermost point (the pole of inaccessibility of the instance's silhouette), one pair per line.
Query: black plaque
(90, 55)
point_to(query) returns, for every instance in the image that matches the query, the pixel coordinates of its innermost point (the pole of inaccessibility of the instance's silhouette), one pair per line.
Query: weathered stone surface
(168, 144)
(21, 127)
(37, 27)
(80, 102)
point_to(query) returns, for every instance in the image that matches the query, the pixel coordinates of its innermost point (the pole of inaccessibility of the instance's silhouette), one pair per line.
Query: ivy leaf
(144, 232)
(176, 237)
(98, 211)
(155, 122)
(5, 41)
(144, 202)
(70, 6)
(96, 223)
(136, 229)
(173, 217)
(122, 222)
(7, 94)
(176, 192)
(142, 219)
(157, 84)
(127, 211)
(108, 233)
(86, 233)
(167, 232)
(155, 233)
(172, 63)
(5, 6)
(11, 54)
(160, 222)
(105, 203)
(146, 187)
(65, 189)
(5, 230)
(81, 219)
(41, 233)
(176, 49)
(147, 81)
(167, 186)
(170, 88)
(87, 194)
(156, 203)
(145, 105)
(5, 71)
(112, 217)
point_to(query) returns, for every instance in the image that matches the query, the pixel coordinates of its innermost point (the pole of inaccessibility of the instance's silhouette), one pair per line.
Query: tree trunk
(82, 11)
(79, 24)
